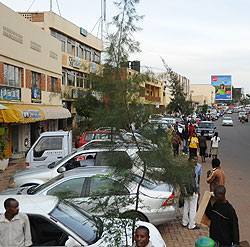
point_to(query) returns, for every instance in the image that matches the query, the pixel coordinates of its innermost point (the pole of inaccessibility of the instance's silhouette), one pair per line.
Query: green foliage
(85, 106)
(178, 102)
(236, 95)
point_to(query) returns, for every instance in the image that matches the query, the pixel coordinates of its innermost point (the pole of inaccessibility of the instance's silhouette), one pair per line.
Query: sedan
(60, 223)
(227, 121)
(157, 203)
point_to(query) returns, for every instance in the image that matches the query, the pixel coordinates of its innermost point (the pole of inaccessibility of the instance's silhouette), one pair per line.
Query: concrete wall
(202, 93)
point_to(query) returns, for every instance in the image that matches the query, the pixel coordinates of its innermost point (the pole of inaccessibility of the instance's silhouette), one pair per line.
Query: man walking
(14, 226)
(217, 176)
(224, 226)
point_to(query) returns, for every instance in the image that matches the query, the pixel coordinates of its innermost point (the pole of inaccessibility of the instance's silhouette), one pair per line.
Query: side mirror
(61, 169)
(214, 127)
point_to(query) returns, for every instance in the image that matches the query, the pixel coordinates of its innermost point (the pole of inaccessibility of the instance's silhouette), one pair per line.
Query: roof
(88, 171)
(32, 204)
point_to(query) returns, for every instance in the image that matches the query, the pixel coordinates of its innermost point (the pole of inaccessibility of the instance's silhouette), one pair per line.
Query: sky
(196, 38)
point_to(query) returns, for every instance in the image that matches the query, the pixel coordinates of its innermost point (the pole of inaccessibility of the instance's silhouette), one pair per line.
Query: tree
(236, 95)
(178, 102)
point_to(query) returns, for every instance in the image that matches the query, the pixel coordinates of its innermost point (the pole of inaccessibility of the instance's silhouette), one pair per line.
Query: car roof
(32, 204)
(206, 122)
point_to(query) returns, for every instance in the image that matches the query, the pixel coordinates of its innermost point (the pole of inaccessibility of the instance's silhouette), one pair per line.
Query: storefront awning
(20, 113)
(55, 112)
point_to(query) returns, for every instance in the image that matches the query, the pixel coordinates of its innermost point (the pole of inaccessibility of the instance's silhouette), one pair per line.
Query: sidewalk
(174, 234)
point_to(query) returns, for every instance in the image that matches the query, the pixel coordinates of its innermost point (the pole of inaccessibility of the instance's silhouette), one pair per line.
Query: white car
(57, 223)
(227, 121)
(158, 203)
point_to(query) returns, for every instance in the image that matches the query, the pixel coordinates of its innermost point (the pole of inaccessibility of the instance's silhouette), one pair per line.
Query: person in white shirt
(14, 226)
(215, 145)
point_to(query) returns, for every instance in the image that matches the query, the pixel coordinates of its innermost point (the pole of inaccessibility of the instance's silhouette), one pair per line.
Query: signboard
(10, 93)
(223, 86)
(36, 95)
(32, 114)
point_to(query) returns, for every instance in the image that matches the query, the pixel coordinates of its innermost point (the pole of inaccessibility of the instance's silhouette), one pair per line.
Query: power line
(31, 5)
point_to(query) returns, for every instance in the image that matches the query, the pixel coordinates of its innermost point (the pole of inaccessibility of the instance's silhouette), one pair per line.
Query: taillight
(169, 201)
(27, 164)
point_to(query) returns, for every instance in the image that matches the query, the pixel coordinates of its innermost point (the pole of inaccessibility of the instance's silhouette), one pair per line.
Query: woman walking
(215, 145)
(203, 147)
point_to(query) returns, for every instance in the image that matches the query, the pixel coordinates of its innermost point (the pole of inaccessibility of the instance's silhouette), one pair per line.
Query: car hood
(16, 191)
(40, 172)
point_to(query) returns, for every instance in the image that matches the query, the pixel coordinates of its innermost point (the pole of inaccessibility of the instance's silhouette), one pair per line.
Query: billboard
(223, 86)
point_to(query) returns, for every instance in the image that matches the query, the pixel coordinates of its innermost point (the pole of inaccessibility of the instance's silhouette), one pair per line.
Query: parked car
(92, 156)
(116, 136)
(208, 128)
(227, 121)
(152, 128)
(157, 203)
(60, 223)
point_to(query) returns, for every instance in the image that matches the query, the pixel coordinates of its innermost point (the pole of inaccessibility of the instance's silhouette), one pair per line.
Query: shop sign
(75, 62)
(10, 93)
(32, 114)
(36, 95)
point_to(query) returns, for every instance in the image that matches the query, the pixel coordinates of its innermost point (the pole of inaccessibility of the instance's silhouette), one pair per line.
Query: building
(202, 94)
(80, 54)
(30, 82)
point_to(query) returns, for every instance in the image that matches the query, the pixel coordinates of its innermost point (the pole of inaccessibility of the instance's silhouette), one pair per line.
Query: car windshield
(35, 190)
(227, 118)
(54, 164)
(206, 125)
(78, 221)
(127, 138)
(145, 183)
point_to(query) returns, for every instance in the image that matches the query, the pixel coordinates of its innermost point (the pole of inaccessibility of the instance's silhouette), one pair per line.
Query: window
(87, 54)
(81, 51)
(79, 79)
(64, 76)
(96, 57)
(53, 84)
(63, 45)
(89, 137)
(104, 185)
(35, 80)
(71, 78)
(71, 47)
(48, 143)
(12, 76)
(71, 188)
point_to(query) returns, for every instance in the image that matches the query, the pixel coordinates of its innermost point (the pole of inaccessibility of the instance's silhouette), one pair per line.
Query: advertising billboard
(223, 86)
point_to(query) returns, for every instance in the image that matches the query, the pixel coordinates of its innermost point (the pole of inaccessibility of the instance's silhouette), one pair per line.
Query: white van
(49, 147)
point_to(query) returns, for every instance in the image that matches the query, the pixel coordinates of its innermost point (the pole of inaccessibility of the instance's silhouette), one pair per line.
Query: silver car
(88, 156)
(158, 203)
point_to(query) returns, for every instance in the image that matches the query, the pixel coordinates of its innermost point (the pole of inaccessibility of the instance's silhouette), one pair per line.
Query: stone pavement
(174, 234)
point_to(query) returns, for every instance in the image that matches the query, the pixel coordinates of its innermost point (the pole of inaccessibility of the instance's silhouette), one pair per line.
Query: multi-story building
(202, 94)
(80, 54)
(30, 82)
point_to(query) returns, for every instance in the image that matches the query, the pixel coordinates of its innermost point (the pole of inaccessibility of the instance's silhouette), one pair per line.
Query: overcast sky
(197, 38)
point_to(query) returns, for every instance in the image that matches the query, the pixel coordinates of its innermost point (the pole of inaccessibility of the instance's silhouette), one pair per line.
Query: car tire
(135, 215)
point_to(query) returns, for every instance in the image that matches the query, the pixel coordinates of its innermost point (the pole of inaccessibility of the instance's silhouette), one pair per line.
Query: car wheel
(135, 215)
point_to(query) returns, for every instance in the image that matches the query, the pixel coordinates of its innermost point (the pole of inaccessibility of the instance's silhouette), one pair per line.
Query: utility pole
(50, 5)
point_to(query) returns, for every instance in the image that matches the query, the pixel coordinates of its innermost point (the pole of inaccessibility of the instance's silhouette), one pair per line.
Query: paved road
(234, 153)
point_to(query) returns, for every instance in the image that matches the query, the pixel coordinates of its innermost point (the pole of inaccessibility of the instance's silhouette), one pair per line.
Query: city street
(234, 155)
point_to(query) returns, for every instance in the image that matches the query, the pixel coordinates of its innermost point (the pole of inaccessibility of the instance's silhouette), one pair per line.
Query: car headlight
(12, 182)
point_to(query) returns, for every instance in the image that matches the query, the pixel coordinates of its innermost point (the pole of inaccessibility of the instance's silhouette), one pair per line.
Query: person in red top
(191, 129)
(217, 176)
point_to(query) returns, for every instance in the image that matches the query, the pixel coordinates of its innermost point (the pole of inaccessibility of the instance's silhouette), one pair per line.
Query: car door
(98, 190)
(47, 150)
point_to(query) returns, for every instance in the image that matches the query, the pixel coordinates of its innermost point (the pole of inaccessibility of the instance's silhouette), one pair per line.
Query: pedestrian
(217, 176)
(185, 136)
(14, 226)
(191, 129)
(190, 201)
(203, 147)
(176, 142)
(224, 226)
(142, 237)
(193, 143)
(215, 145)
